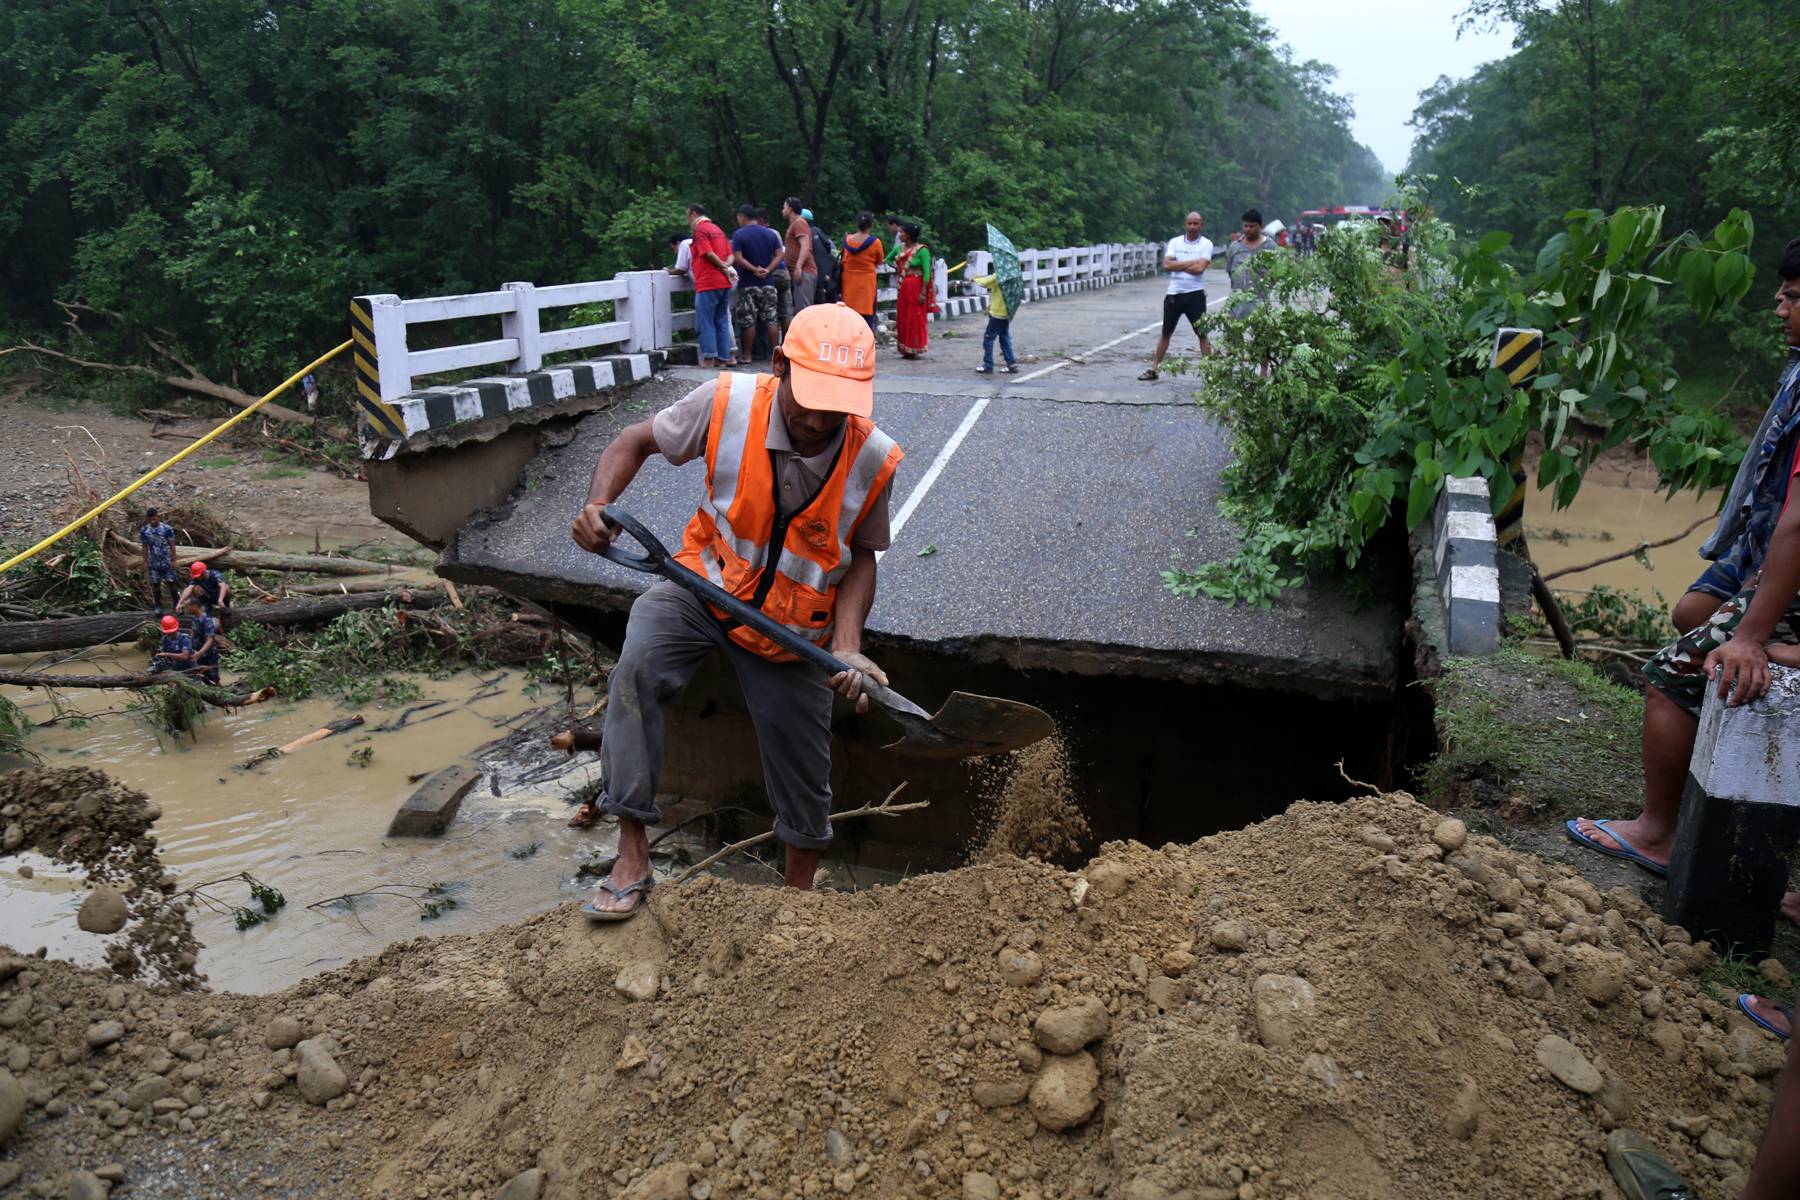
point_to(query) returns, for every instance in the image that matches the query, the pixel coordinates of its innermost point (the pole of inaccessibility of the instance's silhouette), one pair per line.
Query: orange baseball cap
(832, 355)
(197, 569)
(170, 625)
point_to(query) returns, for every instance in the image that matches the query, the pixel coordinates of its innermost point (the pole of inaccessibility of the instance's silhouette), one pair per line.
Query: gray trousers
(804, 287)
(669, 633)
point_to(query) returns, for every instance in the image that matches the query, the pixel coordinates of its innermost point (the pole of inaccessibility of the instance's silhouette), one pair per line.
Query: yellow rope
(84, 518)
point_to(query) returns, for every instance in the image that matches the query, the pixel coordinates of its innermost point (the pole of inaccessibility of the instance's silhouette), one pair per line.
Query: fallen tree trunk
(321, 733)
(340, 587)
(191, 383)
(270, 560)
(23, 637)
(215, 696)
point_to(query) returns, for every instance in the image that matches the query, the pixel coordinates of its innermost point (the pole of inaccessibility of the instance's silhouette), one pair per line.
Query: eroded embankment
(1327, 1003)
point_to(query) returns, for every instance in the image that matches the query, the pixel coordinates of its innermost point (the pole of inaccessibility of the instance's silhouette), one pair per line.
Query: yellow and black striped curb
(382, 418)
(1518, 353)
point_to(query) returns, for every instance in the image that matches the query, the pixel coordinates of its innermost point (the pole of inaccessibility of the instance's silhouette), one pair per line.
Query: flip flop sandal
(1743, 1003)
(1626, 850)
(640, 889)
(1641, 1172)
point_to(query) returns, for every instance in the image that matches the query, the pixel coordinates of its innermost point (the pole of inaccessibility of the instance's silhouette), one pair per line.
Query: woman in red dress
(917, 296)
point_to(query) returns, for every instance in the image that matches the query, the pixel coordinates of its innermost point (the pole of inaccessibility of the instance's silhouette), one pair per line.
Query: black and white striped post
(1468, 569)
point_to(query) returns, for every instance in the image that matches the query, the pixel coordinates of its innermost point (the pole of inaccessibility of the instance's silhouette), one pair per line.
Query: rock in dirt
(1066, 1092)
(103, 911)
(632, 1054)
(1230, 935)
(1019, 968)
(1450, 834)
(103, 1033)
(320, 1078)
(85, 1185)
(1108, 877)
(667, 1182)
(12, 1106)
(147, 1091)
(526, 1185)
(1568, 1065)
(637, 981)
(979, 1185)
(1284, 1006)
(1068, 1027)
(1001, 1093)
(837, 1148)
(283, 1033)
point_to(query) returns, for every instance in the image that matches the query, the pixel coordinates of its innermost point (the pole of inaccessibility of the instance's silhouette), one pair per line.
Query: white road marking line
(935, 469)
(942, 460)
(1082, 357)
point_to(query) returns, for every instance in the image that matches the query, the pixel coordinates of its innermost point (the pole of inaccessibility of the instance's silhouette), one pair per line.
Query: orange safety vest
(728, 540)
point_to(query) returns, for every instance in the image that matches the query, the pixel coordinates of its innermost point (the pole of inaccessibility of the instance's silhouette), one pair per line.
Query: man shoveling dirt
(793, 464)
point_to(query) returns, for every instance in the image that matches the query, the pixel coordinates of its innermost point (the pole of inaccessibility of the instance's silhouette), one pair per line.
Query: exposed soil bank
(1325, 1004)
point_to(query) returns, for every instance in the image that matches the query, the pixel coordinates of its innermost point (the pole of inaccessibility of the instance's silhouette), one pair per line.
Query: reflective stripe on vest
(732, 550)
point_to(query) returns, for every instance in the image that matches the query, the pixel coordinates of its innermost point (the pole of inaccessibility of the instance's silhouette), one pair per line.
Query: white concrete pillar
(638, 309)
(940, 281)
(522, 323)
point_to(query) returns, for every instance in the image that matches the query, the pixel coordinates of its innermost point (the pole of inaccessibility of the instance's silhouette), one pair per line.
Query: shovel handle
(656, 560)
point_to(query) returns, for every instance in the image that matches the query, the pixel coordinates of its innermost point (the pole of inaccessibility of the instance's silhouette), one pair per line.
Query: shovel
(967, 726)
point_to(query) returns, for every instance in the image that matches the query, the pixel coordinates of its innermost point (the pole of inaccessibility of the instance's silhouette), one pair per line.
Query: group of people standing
(757, 279)
(1187, 258)
(206, 599)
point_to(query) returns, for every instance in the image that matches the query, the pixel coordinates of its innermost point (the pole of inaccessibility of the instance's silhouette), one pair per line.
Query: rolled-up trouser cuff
(787, 835)
(649, 816)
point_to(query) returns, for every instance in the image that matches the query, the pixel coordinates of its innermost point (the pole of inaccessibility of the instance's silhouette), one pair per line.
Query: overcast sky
(1386, 54)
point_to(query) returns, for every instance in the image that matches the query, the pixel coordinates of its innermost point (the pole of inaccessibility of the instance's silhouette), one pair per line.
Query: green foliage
(1378, 381)
(268, 902)
(1618, 616)
(15, 726)
(1619, 104)
(527, 850)
(437, 901)
(231, 172)
(361, 757)
(175, 709)
(71, 577)
(355, 658)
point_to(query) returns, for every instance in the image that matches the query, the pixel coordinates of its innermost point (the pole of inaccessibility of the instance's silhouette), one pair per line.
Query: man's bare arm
(1741, 664)
(856, 596)
(619, 464)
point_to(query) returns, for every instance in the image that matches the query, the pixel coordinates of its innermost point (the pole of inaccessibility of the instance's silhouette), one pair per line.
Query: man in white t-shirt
(1185, 259)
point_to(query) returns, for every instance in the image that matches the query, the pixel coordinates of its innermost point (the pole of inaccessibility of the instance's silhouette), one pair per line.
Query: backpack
(826, 263)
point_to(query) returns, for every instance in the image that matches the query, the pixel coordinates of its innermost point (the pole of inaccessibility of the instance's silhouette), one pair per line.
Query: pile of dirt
(1356, 1000)
(85, 818)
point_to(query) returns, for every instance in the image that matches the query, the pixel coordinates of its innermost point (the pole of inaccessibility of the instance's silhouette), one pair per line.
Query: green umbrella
(1006, 268)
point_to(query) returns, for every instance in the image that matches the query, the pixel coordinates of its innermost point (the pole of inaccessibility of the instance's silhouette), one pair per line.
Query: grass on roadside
(1531, 733)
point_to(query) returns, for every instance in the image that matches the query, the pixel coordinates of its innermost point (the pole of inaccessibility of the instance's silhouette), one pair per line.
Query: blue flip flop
(640, 889)
(1626, 851)
(1784, 1010)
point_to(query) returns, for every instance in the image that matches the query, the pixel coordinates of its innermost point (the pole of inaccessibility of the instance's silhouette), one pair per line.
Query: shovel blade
(970, 726)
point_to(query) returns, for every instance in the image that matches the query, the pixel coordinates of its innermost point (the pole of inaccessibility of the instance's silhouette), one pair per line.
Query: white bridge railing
(386, 328)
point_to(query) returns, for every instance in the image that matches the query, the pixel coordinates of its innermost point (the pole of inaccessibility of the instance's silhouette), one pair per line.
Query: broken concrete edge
(433, 805)
(1322, 680)
(478, 410)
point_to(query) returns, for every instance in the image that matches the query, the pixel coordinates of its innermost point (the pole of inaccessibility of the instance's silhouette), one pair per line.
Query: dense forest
(233, 170)
(1607, 103)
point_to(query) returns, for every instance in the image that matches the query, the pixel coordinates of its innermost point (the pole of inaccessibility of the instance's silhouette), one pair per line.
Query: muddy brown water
(1609, 517)
(313, 824)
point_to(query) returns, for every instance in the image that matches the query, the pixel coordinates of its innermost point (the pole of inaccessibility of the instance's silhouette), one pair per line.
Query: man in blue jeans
(710, 265)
